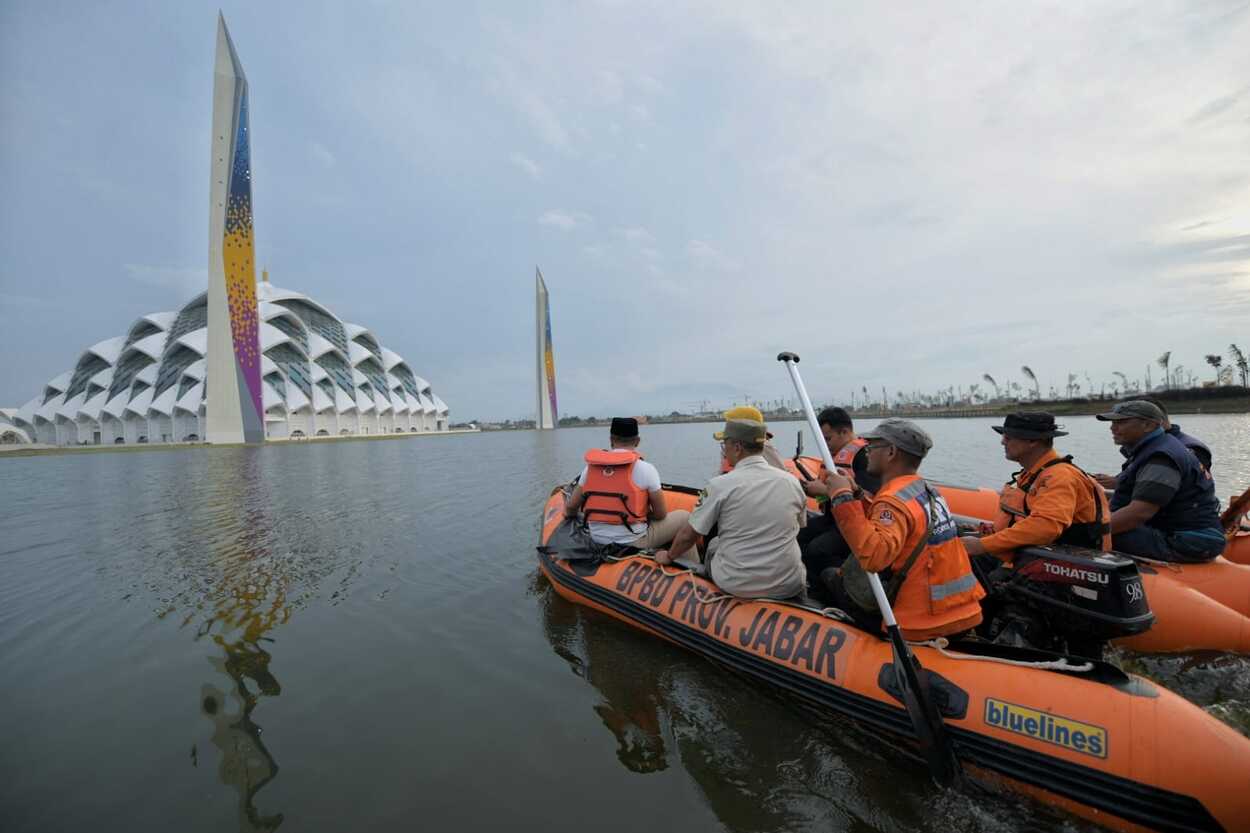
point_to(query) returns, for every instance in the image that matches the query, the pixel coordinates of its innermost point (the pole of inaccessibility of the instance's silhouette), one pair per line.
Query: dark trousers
(1150, 542)
(822, 546)
(869, 620)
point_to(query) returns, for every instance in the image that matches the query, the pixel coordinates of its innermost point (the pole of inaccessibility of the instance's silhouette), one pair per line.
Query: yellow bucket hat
(743, 423)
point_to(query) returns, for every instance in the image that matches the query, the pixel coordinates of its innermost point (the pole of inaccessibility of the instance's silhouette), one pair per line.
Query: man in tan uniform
(758, 510)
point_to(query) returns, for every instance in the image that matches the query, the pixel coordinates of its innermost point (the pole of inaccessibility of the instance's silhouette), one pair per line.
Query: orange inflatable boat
(1198, 607)
(1110, 747)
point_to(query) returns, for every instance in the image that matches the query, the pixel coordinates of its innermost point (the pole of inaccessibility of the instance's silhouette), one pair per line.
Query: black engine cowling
(1074, 599)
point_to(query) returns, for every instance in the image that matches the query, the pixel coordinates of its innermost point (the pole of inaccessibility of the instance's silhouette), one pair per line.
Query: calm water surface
(355, 636)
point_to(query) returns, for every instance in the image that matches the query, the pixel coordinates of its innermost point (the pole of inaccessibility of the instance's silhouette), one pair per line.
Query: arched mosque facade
(322, 377)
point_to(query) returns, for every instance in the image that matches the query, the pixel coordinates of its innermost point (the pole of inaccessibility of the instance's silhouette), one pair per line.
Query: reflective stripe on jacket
(611, 496)
(940, 595)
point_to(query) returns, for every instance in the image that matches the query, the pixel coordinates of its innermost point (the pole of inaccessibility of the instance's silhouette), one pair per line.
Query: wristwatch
(845, 497)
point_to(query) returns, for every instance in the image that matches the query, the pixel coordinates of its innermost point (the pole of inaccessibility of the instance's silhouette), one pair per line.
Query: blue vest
(1194, 506)
(1194, 444)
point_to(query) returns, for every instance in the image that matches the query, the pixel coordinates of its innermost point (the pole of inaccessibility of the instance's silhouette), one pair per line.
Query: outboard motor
(1067, 599)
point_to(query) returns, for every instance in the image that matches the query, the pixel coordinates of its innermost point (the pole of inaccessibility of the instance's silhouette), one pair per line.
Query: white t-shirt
(645, 476)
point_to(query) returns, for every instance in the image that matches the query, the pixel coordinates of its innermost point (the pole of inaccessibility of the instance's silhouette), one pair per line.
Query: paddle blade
(935, 744)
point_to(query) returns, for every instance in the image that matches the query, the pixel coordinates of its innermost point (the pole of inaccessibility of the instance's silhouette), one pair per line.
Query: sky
(908, 195)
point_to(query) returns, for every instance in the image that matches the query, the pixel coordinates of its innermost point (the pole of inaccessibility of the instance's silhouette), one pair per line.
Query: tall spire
(234, 400)
(548, 415)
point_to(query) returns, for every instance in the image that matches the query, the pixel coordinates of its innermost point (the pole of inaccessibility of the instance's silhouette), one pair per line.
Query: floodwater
(335, 636)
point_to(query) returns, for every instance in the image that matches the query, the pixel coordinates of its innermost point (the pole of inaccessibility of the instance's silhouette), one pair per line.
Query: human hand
(663, 558)
(973, 545)
(1107, 481)
(815, 488)
(836, 482)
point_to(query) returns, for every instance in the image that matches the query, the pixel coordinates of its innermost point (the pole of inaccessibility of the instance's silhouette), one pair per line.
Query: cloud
(1215, 107)
(536, 110)
(941, 156)
(564, 220)
(322, 155)
(649, 84)
(527, 165)
(636, 234)
(708, 256)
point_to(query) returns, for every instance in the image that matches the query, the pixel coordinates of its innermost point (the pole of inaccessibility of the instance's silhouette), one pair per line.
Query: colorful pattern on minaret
(549, 360)
(239, 262)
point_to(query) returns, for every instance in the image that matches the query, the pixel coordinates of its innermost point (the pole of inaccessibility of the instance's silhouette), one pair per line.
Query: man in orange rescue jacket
(906, 535)
(1049, 501)
(620, 496)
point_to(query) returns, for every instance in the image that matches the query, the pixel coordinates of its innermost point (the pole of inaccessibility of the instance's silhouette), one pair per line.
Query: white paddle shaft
(878, 592)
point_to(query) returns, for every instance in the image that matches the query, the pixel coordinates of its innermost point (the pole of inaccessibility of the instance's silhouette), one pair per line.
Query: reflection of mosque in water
(261, 566)
(246, 764)
(246, 611)
(760, 763)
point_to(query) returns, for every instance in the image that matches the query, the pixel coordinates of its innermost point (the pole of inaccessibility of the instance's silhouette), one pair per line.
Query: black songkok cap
(624, 427)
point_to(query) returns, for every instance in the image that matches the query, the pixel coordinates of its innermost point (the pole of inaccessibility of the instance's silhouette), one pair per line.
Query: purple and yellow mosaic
(549, 360)
(239, 264)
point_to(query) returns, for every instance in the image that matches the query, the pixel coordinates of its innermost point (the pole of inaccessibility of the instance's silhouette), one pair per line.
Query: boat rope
(940, 645)
(703, 598)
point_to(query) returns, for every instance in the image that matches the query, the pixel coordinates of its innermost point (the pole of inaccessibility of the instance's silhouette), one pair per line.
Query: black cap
(1030, 426)
(624, 427)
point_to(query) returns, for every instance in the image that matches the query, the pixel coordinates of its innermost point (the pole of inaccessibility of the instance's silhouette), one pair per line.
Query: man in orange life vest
(1049, 501)
(820, 541)
(619, 494)
(908, 535)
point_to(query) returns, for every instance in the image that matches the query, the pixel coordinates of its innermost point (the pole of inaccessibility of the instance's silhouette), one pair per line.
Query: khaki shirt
(759, 510)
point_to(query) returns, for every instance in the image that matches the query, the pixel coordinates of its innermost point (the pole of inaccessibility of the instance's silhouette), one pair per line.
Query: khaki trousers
(661, 533)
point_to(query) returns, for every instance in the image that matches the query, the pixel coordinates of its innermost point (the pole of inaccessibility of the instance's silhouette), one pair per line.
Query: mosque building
(243, 362)
(321, 376)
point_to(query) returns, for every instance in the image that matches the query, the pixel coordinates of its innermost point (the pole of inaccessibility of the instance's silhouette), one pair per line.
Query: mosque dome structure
(322, 377)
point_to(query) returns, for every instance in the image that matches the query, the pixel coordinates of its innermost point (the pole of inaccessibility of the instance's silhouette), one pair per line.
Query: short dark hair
(1156, 401)
(910, 459)
(835, 418)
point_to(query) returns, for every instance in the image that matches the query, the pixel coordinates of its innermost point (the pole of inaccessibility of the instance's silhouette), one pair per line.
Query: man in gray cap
(1164, 505)
(758, 510)
(907, 526)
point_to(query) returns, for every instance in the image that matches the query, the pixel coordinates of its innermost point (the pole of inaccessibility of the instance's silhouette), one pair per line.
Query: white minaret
(548, 413)
(235, 413)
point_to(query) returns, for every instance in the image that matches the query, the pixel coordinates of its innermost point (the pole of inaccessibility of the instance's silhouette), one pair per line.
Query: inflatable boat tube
(1107, 746)
(1198, 607)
